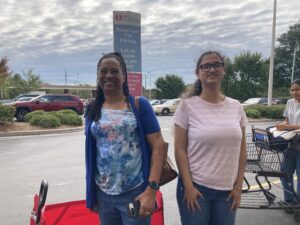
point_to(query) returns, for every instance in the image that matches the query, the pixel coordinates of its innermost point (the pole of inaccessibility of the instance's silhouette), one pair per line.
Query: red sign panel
(135, 83)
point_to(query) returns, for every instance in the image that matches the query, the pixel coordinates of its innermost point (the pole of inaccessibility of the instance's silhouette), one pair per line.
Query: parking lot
(59, 158)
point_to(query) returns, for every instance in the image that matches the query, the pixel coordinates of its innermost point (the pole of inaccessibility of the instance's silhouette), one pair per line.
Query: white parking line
(255, 187)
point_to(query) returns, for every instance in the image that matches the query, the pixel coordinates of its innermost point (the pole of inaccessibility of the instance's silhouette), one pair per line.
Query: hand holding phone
(133, 208)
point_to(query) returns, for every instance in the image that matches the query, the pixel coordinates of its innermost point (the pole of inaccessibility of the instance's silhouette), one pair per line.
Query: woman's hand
(235, 194)
(147, 200)
(281, 127)
(190, 197)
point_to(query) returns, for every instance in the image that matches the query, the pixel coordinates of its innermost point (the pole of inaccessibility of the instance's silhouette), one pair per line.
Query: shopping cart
(75, 212)
(265, 158)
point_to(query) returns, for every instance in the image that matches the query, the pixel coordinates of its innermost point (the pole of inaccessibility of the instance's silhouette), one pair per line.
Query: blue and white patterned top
(119, 156)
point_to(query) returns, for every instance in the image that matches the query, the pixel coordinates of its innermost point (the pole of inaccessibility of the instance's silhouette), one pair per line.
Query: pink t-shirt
(214, 139)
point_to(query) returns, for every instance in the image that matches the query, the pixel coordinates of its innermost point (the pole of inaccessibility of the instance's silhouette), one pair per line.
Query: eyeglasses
(207, 67)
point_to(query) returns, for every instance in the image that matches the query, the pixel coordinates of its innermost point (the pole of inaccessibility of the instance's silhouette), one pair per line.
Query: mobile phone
(133, 208)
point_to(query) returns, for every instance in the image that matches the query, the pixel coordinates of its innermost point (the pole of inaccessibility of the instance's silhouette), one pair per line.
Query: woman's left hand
(235, 195)
(147, 200)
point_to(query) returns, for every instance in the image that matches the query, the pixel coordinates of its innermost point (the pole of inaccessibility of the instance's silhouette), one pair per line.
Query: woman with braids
(124, 148)
(210, 148)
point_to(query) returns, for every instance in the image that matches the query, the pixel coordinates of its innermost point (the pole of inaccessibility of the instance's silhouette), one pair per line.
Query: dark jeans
(215, 210)
(113, 208)
(291, 163)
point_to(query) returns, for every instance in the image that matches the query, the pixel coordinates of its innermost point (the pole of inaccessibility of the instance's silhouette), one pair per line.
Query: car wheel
(20, 115)
(165, 112)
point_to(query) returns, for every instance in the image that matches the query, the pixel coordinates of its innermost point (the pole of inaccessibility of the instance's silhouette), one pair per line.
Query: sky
(55, 36)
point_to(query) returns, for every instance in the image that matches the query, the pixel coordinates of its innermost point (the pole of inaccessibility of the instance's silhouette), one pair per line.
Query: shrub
(46, 120)
(66, 111)
(29, 116)
(253, 113)
(70, 119)
(270, 112)
(262, 109)
(275, 112)
(7, 114)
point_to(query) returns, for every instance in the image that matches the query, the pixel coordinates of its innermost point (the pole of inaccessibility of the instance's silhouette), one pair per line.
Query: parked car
(47, 102)
(158, 101)
(25, 99)
(281, 100)
(167, 107)
(28, 95)
(255, 101)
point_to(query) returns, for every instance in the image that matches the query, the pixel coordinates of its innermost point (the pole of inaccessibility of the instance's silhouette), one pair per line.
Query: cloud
(51, 36)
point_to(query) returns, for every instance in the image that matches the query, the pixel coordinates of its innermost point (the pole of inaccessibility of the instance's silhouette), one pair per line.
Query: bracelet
(237, 187)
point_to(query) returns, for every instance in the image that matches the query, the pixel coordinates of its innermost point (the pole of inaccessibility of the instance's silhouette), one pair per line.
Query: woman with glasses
(210, 148)
(124, 149)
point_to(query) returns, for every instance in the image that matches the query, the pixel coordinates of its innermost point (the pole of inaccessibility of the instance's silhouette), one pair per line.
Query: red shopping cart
(75, 212)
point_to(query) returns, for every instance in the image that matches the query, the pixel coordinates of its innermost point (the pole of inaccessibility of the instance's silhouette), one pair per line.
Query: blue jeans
(113, 208)
(291, 163)
(215, 210)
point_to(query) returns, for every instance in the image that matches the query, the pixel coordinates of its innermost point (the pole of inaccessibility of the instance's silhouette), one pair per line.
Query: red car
(48, 102)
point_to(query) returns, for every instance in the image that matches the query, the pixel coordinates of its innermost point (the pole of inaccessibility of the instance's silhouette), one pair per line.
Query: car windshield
(171, 102)
(25, 99)
(153, 102)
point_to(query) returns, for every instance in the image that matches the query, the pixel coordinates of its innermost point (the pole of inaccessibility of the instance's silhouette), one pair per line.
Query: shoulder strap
(136, 103)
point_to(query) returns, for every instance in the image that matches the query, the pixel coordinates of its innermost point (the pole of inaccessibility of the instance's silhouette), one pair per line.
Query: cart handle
(42, 199)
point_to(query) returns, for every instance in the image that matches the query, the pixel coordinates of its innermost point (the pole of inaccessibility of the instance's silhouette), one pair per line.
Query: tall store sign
(127, 40)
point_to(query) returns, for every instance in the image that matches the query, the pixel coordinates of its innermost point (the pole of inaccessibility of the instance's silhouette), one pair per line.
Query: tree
(284, 58)
(168, 87)
(32, 81)
(246, 76)
(24, 83)
(16, 84)
(4, 75)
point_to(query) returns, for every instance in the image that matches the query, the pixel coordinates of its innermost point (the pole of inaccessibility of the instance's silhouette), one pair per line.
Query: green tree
(246, 76)
(32, 81)
(4, 75)
(284, 58)
(24, 83)
(16, 85)
(168, 87)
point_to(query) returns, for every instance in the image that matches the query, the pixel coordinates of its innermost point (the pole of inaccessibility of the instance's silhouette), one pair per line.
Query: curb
(76, 129)
(40, 132)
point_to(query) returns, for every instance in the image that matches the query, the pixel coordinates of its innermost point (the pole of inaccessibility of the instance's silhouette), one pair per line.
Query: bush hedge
(53, 119)
(29, 116)
(7, 114)
(264, 111)
(45, 120)
(70, 118)
(253, 113)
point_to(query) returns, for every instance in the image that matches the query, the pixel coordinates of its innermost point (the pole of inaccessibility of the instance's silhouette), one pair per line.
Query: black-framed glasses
(207, 66)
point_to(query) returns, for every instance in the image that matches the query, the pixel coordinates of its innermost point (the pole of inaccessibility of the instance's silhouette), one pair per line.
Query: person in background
(291, 161)
(124, 148)
(210, 148)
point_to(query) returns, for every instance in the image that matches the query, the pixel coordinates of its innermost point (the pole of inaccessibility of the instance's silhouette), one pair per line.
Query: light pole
(294, 59)
(150, 85)
(145, 85)
(270, 86)
(77, 83)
